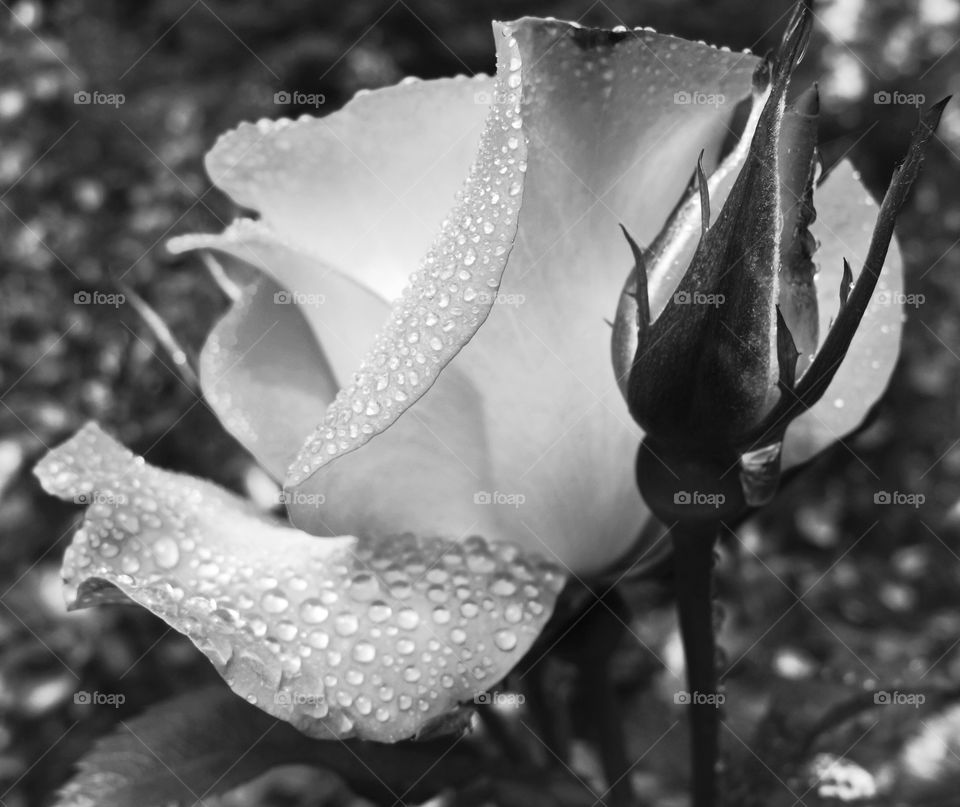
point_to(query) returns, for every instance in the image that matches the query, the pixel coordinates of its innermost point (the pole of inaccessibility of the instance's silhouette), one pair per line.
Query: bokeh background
(89, 193)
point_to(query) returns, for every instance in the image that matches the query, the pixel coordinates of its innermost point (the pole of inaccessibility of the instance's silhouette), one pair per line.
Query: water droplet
(505, 639)
(287, 631)
(364, 652)
(347, 624)
(407, 618)
(412, 674)
(441, 615)
(312, 612)
(379, 611)
(318, 639)
(405, 647)
(364, 705)
(503, 587)
(274, 601)
(364, 586)
(166, 553)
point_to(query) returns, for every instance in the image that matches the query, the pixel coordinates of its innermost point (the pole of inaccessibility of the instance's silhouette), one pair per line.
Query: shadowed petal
(362, 638)
(846, 214)
(424, 474)
(264, 375)
(343, 314)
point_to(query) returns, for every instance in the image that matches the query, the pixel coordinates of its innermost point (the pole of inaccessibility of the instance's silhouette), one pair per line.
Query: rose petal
(263, 374)
(846, 214)
(363, 189)
(362, 638)
(423, 475)
(448, 297)
(558, 432)
(343, 315)
(433, 463)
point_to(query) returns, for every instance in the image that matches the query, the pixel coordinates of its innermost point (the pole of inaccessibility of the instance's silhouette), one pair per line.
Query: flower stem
(693, 572)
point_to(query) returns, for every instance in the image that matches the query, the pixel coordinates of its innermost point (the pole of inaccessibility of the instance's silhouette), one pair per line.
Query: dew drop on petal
(364, 652)
(505, 639)
(312, 612)
(379, 611)
(166, 553)
(408, 619)
(274, 601)
(347, 624)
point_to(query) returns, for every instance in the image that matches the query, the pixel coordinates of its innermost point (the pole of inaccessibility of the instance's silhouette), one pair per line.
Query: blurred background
(89, 192)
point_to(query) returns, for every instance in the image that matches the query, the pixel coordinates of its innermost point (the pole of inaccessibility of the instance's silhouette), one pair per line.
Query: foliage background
(89, 194)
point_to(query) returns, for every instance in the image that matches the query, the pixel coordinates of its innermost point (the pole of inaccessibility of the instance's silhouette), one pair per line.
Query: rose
(715, 391)
(399, 614)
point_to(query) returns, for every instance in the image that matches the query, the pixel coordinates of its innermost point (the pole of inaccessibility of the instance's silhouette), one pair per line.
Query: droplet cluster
(448, 297)
(361, 638)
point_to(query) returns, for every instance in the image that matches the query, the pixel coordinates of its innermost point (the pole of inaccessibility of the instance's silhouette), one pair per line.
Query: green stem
(693, 571)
